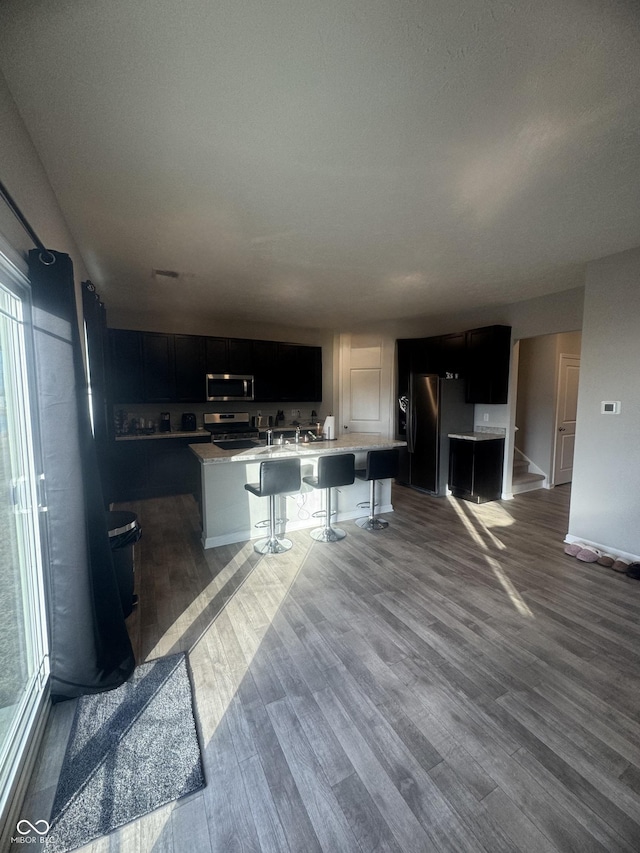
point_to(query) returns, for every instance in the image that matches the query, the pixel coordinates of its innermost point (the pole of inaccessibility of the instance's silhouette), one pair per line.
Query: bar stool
(381, 465)
(333, 470)
(277, 477)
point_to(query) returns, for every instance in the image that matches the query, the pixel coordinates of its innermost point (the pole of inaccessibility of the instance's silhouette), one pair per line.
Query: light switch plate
(610, 407)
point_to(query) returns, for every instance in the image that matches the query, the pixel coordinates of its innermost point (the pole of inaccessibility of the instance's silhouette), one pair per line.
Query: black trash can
(124, 532)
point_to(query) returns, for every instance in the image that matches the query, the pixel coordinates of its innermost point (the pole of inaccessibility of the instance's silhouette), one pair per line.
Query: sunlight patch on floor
(225, 651)
(515, 597)
(472, 531)
(185, 620)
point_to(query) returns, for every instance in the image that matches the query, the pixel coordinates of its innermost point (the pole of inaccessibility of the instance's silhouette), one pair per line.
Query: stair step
(520, 465)
(526, 477)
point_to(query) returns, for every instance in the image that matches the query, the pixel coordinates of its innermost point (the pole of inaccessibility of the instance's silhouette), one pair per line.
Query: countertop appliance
(231, 430)
(223, 387)
(165, 422)
(189, 422)
(433, 408)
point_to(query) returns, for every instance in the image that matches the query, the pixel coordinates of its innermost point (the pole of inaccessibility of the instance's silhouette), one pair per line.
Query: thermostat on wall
(610, 407)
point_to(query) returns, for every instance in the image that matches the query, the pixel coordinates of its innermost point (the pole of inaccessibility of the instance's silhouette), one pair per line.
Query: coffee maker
(165, 422)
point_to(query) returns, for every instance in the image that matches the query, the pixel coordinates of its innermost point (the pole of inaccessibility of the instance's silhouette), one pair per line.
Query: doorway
(366, 385)
(545, 416)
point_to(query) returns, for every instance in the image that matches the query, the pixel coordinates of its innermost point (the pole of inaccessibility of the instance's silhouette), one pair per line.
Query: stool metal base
(372, 523)
(327, 534)
(273, 546)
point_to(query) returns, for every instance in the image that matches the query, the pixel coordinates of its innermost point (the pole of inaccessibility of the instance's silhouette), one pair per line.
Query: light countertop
(476, 436)
(174, 434)
(356, 442)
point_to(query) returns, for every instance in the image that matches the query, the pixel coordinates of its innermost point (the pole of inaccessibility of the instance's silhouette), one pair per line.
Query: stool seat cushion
(381, 465)
(277, 477)
(336, 469)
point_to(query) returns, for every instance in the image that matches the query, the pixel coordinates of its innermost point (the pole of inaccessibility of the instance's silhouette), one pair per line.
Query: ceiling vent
(165, 274)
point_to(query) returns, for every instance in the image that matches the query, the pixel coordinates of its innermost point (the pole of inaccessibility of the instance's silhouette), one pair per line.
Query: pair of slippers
(589, 554)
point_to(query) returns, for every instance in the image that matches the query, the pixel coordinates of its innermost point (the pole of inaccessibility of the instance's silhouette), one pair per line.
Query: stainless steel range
(231, 430)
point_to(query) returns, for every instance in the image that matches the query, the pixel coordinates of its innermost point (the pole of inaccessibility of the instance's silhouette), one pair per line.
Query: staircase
(524, 479)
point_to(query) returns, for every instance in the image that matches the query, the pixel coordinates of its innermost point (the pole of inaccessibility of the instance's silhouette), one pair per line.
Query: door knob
(562, 429)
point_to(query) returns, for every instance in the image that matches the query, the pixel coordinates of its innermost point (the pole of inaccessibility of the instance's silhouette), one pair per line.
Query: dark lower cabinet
(475, 469)
(153, 468)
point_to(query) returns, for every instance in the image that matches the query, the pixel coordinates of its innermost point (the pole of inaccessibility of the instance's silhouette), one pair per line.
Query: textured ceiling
(332, 163)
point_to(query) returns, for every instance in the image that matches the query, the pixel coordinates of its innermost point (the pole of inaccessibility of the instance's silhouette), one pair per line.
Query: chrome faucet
(269, 437)
(297, 435)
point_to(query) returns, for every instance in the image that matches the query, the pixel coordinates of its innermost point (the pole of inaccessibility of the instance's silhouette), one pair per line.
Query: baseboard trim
(301, 524)
(615, 552)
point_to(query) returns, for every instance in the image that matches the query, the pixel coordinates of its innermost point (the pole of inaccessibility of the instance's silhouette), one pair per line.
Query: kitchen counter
(355, 443)
(476, 436)
(194, 433)
(229, 512)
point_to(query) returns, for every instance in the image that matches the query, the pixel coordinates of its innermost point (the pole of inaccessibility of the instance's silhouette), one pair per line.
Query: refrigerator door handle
(411, 416)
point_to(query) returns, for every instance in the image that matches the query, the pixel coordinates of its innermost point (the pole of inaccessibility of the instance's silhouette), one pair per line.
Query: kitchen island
(229, 512)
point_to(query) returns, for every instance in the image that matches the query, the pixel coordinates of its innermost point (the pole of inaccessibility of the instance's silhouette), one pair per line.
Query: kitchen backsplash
(144, 415)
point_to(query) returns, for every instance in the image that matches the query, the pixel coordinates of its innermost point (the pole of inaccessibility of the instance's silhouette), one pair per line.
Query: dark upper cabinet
(152, 367)
(189, 368)
(125, 367)
(452, 356)
(488, 357)
(216, 357)
(158, 367)
(266, 370)
(300, 373)
(426, 356)
(404, 351)
(241, 360)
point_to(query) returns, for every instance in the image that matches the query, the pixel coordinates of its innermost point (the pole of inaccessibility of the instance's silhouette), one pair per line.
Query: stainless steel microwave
(227, 386)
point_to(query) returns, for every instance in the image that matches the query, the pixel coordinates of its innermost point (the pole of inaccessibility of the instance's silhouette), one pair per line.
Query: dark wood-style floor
(454, 683)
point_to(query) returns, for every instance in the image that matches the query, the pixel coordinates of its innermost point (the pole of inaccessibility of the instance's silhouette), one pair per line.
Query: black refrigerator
(430, 410)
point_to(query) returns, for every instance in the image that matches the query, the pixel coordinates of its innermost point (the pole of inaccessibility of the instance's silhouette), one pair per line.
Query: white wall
(605, 497)
(544, 315)
(27, 182)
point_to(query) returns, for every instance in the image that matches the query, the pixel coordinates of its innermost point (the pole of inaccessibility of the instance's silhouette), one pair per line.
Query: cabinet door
(240, 356)
(404, 351)
(488, 357)
(487, 474)
(267, 371)
(216, 359)
(189, 366)
(125, 366)
(461, 460)
(128, 475)
(452, 358)
(171, 468)
(300, 373)
(158, 366)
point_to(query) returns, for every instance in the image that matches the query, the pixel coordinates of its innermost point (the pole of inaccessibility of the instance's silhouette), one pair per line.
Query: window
(23, 642)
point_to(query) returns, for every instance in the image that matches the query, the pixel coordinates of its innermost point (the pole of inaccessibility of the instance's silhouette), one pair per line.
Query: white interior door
(566, 409)
(366, 368)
